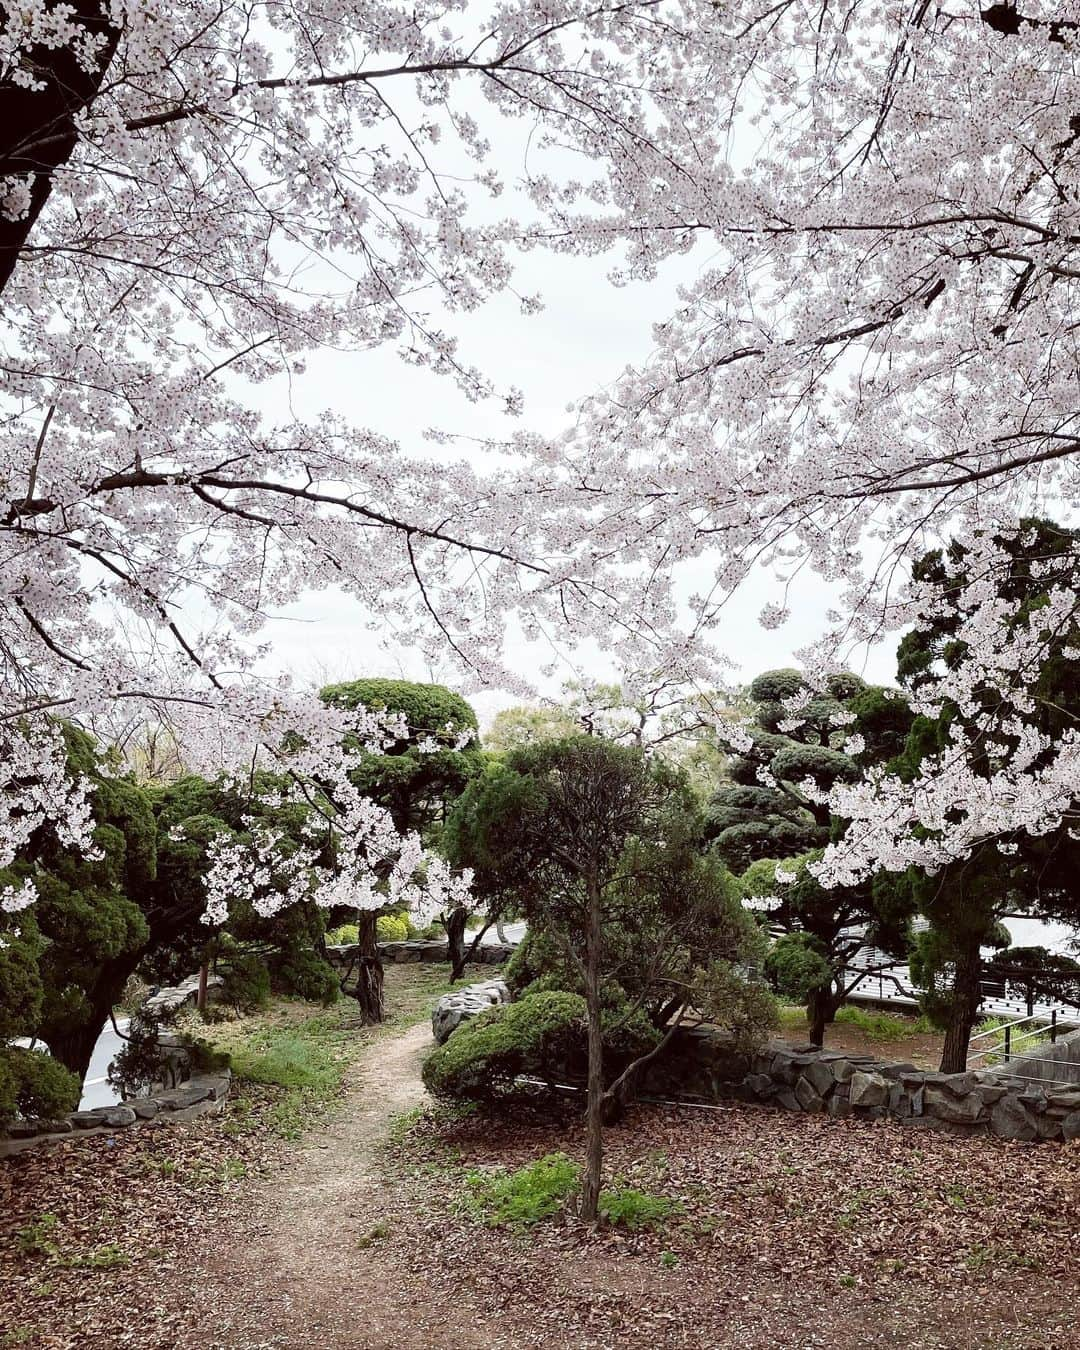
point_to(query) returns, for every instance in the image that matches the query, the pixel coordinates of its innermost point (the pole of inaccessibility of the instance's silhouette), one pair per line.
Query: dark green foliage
(1045, 976)
(414, 785)
(542, 1036)
(798, 966)
(823, 930)
(247, 982)
(34, 1085)
(749, 819)
(302, 972)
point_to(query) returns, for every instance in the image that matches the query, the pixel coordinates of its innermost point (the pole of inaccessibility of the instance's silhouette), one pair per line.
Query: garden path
(305, 1269)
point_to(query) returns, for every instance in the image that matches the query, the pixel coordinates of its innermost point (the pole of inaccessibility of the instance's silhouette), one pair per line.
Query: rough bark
(963, 1010)
(454, 923)
(821, 1010)
(594, 1115)
(369, 979)
(37, 126)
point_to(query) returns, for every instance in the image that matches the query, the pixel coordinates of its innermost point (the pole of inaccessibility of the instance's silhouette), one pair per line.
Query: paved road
(96, 1089)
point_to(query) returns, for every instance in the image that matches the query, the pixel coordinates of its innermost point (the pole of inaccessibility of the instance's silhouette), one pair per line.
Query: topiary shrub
(542, 1036)
(345, 935)
(33, 1085)
(306, 975)
(246, 983)
(392, 927)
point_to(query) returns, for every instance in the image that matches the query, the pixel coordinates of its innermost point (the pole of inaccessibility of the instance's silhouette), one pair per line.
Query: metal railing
(1055, 1068)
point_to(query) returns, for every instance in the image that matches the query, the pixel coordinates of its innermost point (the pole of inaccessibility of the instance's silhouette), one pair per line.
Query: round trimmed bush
(541, 1036)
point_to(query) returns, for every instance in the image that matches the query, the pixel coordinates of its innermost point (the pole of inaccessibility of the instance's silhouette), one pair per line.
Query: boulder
(868, 1089)
(1010, 1120)
(145, 1108)
(807, 1096)
(1070, 1126)
(759, 1084)
(460, 1005)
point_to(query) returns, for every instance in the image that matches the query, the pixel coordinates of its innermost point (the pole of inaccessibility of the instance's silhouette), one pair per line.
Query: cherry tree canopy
(880, 351)
(881, 354)
(193, 198)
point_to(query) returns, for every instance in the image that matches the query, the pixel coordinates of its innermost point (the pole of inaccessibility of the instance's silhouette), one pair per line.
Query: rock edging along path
(305, 1268)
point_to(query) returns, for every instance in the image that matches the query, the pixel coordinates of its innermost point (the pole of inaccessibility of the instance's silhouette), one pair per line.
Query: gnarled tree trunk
(369, 978)
(454, 923)
(963, 1010)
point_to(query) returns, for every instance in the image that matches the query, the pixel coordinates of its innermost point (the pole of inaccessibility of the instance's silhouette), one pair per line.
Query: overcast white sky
(588, 332)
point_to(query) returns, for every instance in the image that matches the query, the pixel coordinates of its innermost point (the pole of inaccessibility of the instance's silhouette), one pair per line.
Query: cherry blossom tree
(191, 201)
(878, 350)
(881, 352)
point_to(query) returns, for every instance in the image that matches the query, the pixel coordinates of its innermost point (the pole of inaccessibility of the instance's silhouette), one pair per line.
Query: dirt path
(305, 1270)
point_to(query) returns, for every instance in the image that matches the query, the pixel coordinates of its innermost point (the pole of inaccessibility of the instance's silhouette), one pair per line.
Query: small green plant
(636, 1209)
(165, 1167)
(846, 1281)
(878, 1026)
(669, 1260)
(378, 1232)
(402, 1125)
(38, 1238)
(517, 1199)
(107, 1257)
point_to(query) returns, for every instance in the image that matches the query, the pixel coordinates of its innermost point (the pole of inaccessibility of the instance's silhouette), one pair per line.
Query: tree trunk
(369, 979)
(594, 1115)
(964, 1009)
(73, 1044)
(820, 1010)
(37, 126)
(200, 1001)
(454, 924)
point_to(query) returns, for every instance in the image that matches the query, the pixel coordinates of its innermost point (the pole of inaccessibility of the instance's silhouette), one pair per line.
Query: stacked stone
(422, 950)
(198, 1094)
(802, 1078)
(453, 1009)
(167, 1002)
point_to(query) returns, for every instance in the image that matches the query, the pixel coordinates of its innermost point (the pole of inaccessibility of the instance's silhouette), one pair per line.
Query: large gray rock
(1010, 1120)
(806, 1096)
(868, 1089)
(462, 1004)
(959, 1110)
(820, 1075)
(115, 1117)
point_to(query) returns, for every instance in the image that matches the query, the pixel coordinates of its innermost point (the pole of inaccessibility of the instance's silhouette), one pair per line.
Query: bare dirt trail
(303, 1268)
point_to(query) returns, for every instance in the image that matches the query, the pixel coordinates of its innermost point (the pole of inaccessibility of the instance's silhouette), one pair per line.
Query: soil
(304, 1266)
(788, 1232)
(921, 1048)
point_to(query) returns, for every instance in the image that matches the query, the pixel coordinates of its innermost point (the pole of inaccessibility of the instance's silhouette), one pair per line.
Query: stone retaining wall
(182, 1096)
(421, 949)
(703, 1065)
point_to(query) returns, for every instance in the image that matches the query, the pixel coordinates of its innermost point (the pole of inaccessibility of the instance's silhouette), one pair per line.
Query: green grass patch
(635, 1209)
(545, 1188)
(882, 1026)
(517, 1199)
